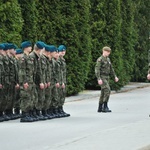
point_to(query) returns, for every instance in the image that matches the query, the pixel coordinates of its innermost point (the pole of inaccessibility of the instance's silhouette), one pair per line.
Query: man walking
(103, 70)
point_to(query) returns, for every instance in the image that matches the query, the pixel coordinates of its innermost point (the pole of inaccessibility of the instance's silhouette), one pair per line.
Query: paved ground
(126, 128)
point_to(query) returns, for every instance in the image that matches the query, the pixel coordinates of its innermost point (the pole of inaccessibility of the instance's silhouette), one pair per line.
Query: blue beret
(51, 48)
(12, 46)
(19, 51)
(26, 44)
(2, 46)
(6, 46)
(40, 44)
(61, 48)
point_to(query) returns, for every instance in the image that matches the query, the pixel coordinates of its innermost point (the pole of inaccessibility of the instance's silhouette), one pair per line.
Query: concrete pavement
(126, 128)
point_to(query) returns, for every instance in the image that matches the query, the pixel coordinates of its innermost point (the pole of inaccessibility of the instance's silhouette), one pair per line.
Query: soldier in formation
(32, 82)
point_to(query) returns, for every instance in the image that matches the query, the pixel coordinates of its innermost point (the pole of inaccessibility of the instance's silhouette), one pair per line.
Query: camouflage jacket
(104, 67)
(1, 70)
(63, 70)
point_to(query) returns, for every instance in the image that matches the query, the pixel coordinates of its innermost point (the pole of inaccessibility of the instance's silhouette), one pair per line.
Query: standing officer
(38, 79)
(26, 82)
(62, 89)
(103, 70)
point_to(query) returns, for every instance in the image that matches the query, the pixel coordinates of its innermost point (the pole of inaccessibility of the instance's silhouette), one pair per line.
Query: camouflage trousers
(17, 99)
(2, 100)
(105, 90)
(54, 96)
(62, 95)
(48, 98)
(38, 103)
(27, 97)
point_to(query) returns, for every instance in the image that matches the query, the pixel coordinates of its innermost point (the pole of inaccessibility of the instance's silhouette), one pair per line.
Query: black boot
(25, 117)
(63, 112)
(17, 113)
(105, 108)
(40, 116)
(50, 112)
(56, 113)
(100, 108)
(34, 117)
(45, 114)
(10, 114)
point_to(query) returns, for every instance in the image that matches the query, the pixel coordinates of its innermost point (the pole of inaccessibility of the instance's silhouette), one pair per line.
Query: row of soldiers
(32, 82)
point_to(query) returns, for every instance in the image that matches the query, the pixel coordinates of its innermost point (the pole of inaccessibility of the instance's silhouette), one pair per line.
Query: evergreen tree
(10, 21)
(142, 24)
(129, 38)
(30, 17)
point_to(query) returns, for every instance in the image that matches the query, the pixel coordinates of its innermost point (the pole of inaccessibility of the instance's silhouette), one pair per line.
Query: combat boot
(17, 113)
(105, 108)
(50, 112)
(32, 116)
(100, 108)
(25, 117)
(57, 114)
(45, 114)
(10, 114)
(40, 116)
(1, 117)
(63, 112)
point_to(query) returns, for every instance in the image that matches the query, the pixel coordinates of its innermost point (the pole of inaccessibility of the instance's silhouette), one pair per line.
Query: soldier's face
(106, 53)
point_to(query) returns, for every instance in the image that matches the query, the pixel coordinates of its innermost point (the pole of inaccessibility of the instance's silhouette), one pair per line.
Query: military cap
(26, 44)
(6, 46)
(61, 48)
(12, 46)
(2, 46)
(40, 44)
(51, 48)
(19, 51)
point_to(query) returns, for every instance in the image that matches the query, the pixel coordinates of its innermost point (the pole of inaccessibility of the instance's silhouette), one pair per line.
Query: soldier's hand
(116, 79)
(42, 86)
(26, 85)
(48, 84)
(57, 85)
(17, 86)
(1, 86)
(100, 82)
(63, 86)
(148, 76)
(45, 85)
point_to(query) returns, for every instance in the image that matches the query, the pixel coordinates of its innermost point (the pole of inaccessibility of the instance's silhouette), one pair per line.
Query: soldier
(103, 70)
(13, 79)
(55, 82)
(26, 82)
(19, 54)
(39, 80)
(62, 89)
(2, 46)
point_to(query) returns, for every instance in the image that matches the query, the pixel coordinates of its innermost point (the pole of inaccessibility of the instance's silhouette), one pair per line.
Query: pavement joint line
(112, 92)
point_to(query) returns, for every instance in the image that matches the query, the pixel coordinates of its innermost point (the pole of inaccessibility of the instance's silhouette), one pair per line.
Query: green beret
(40, 44)
(26, 44)
(19, 51)
(61, 48)
(2, 46)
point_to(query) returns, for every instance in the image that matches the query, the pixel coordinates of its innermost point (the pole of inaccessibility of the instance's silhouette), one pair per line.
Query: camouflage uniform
(103, 70)
(55, 79)
(62, 80)
(26, 76)
(1, 89)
